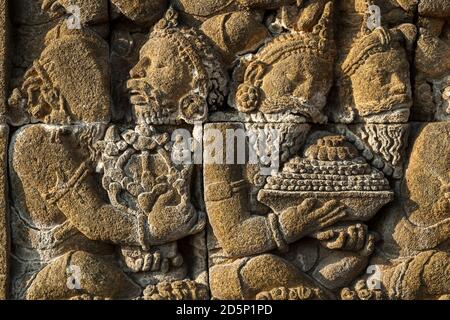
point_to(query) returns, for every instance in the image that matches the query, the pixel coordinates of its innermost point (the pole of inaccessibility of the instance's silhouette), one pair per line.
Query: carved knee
(81, 273)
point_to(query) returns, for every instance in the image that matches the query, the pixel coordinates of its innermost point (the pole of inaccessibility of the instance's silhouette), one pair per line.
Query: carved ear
(193, 108)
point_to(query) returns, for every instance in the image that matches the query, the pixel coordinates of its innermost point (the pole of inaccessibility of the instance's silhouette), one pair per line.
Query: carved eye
(147, 62)
(159, 65)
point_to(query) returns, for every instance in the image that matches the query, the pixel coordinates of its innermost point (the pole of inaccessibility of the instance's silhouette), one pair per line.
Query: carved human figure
(66, 232)
(376, 86)
(161, 84)
(178, 78)
(311, 244)
(60, 221)
(306, 246)
(413, 260)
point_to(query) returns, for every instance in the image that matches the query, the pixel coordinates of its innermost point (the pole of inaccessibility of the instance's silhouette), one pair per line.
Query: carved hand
(353, 237)
(138, 260)
(173, 217)
(307, 218)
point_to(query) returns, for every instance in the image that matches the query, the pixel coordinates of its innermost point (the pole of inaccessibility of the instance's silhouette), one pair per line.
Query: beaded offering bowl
(330, 169)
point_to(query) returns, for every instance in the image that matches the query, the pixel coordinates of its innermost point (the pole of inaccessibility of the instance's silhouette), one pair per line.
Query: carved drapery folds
(226, 149)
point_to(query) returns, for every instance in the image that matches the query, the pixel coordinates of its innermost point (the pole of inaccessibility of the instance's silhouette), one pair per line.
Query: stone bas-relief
(121, 117)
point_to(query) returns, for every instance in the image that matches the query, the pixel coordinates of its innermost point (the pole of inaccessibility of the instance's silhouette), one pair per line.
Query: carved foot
(295, 293)
(176, 290)
(361, 292)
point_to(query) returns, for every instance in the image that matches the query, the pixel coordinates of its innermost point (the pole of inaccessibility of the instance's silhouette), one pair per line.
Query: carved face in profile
(160, 77)
(292, 74)
(382, 87)
(171, 81)
(306, 83)
(161, 83)
(298, 83)
(377, 71)
(69, 81)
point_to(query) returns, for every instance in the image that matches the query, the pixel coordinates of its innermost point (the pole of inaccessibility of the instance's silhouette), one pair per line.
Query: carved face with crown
(378, 69)
(178, 77)
(291, 75)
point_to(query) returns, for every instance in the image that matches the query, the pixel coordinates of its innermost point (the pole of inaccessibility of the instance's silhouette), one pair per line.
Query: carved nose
(138, 71)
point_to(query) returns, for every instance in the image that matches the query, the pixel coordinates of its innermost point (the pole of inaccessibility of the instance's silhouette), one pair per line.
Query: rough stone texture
(4, 34)
(4, 222)
(226, 149)
(4, 135)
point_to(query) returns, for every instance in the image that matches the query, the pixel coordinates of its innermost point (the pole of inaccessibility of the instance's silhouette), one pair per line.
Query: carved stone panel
(225, 149)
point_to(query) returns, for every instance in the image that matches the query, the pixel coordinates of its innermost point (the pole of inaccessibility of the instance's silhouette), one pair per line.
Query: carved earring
(193, 108)
(247, 98)
(248, 95)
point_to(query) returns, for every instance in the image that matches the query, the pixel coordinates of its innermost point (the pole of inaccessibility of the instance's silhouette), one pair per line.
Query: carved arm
(238, 231)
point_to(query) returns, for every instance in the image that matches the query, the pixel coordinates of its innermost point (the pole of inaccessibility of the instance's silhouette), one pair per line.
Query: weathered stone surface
(4, 57)
(4, 137)
(4, 210)
(226, 149)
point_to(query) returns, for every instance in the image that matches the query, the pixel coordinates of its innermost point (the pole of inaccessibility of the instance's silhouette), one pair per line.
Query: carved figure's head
(293, 73)
(69, 82)
(178, 77)
(377, 68)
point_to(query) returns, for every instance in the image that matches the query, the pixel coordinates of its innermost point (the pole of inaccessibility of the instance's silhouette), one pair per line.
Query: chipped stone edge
(4, 136)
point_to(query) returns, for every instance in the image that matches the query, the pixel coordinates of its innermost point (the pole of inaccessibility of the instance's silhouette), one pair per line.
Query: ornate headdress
(210, 79)
(380, 40)
(319, 43)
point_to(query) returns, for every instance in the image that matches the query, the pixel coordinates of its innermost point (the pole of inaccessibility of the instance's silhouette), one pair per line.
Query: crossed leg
(93, 276)
(245, 278)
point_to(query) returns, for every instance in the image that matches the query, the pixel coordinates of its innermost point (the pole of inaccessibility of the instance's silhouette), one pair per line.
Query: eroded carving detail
(332, 190)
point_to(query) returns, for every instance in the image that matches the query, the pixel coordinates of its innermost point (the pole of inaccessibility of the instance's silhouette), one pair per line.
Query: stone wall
(226, 149)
